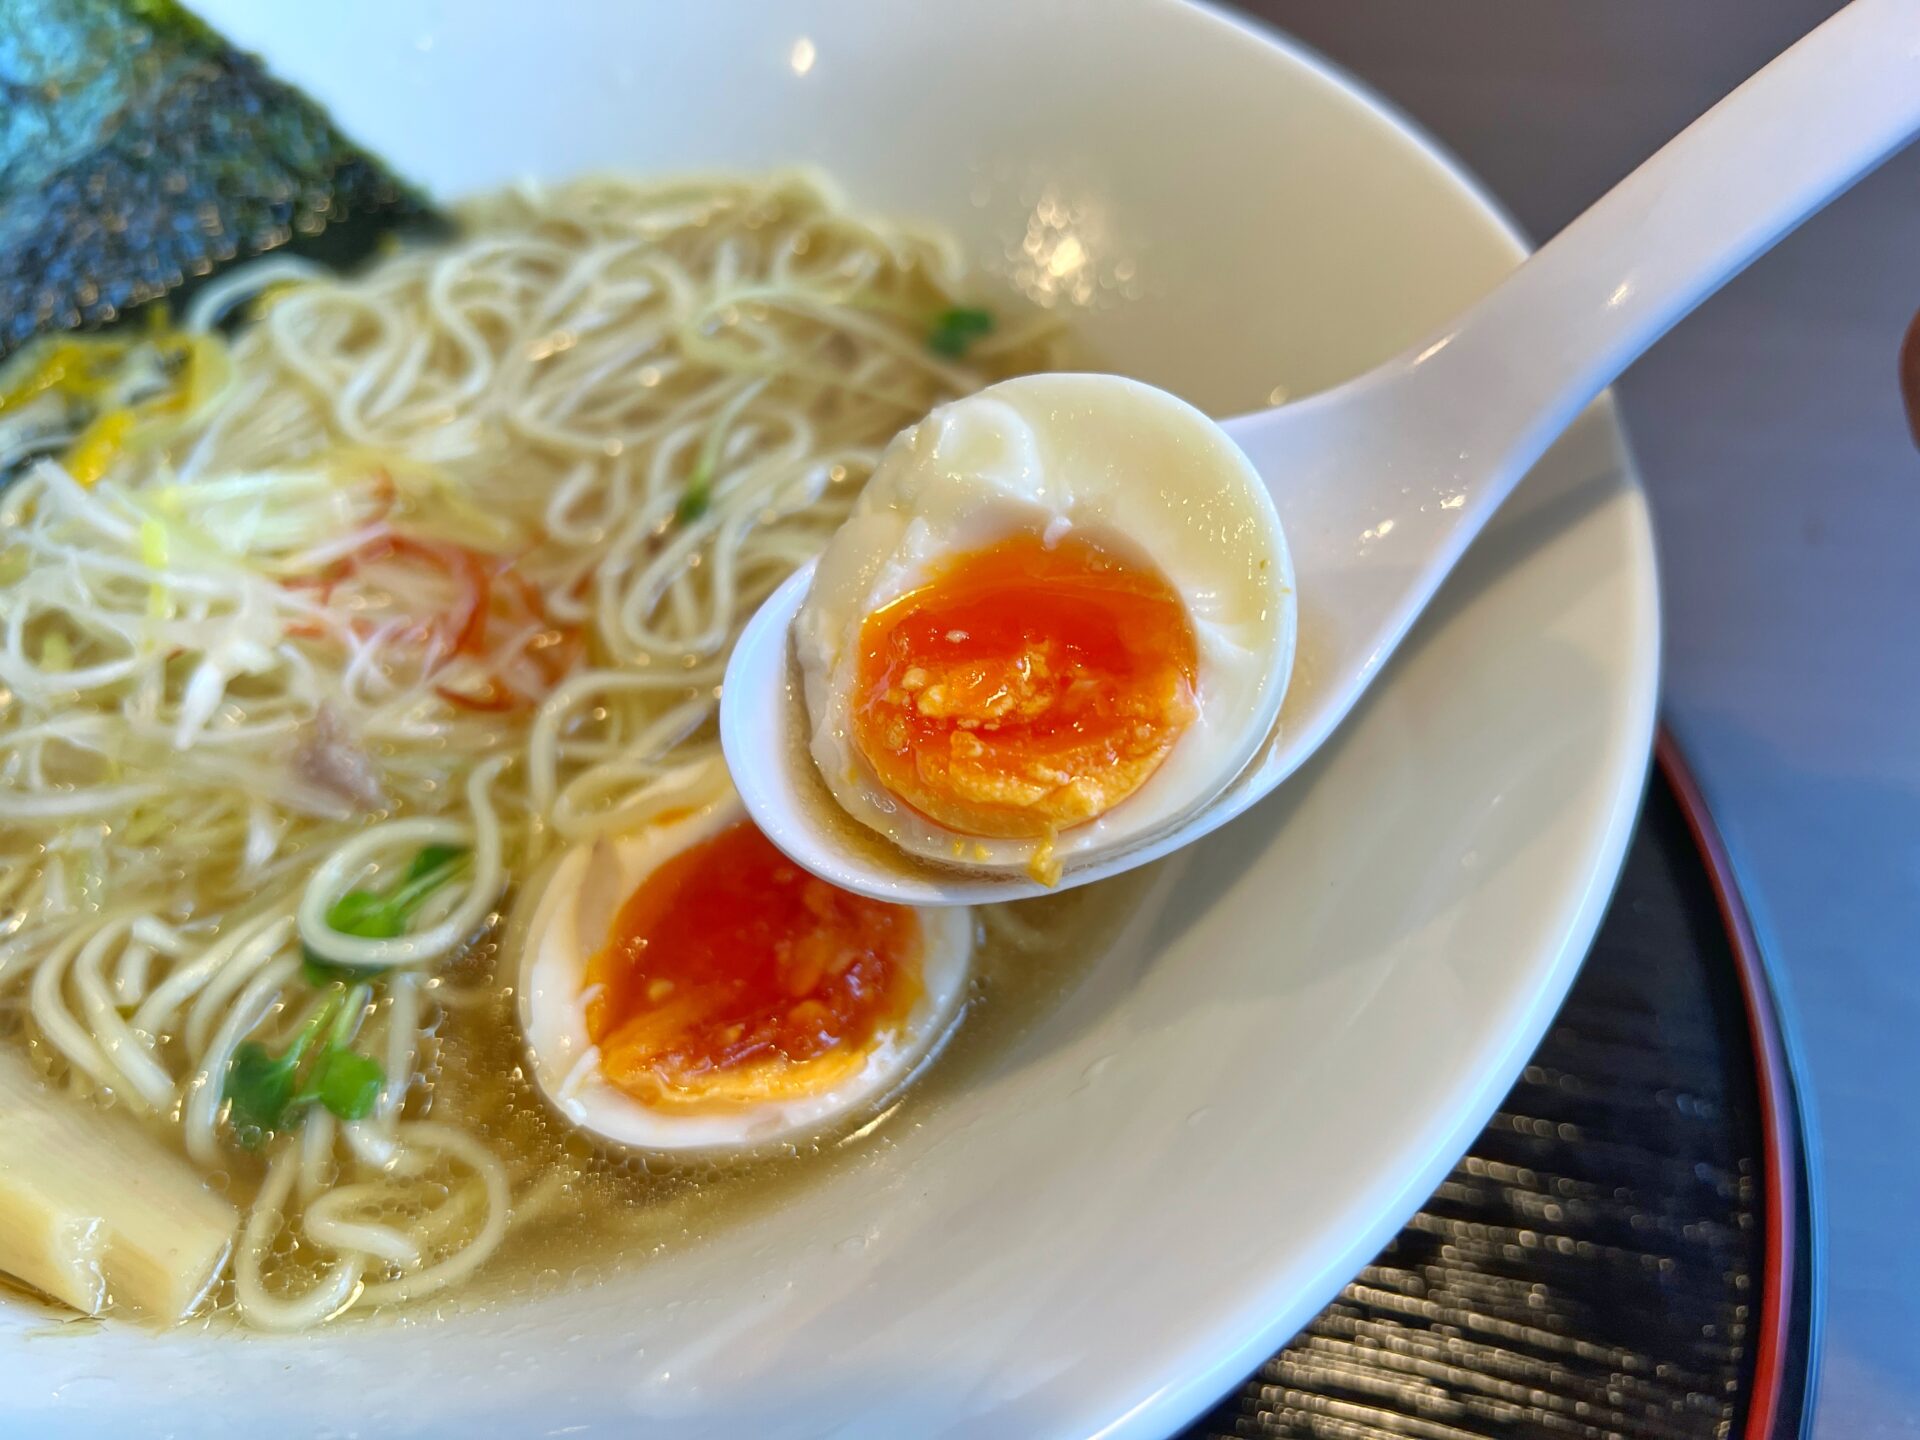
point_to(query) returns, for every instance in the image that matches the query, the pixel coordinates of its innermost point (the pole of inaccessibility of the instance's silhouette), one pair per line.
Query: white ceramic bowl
(1321, 1005)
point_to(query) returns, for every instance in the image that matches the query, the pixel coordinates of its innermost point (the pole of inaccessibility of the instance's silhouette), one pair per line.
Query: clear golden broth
(585, 1210)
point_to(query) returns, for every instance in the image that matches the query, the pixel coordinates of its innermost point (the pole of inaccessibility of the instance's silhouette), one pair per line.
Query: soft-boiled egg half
(686, 987)
(1059, 619)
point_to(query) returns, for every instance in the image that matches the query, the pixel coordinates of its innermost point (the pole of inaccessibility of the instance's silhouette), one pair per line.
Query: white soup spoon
(1383, 482)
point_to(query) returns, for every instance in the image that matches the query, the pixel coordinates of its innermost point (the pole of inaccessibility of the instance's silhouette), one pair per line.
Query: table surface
(1786, 495)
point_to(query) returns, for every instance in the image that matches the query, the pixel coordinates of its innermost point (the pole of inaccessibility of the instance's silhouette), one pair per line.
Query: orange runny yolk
(1026, 688)
(732, 976)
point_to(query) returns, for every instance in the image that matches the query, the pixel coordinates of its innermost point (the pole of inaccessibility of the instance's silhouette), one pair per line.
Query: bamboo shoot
(95, 1212)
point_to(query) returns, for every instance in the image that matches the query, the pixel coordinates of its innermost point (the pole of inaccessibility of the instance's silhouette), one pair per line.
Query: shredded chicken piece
(332, 759)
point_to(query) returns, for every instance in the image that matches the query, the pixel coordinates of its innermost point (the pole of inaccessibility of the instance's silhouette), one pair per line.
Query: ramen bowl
(1129, 1203)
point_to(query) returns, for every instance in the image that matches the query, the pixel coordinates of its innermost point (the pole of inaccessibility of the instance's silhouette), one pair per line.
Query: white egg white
(1121, 464)
(571, 922)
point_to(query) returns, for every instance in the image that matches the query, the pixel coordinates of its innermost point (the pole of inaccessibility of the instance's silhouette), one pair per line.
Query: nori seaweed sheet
(139, 152)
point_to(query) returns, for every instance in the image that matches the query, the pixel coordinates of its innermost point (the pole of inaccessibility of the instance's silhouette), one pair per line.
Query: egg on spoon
(1059, 620)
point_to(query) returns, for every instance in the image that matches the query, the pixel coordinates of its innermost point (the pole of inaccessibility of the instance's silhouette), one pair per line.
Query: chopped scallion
(954, 331)
(696, 498)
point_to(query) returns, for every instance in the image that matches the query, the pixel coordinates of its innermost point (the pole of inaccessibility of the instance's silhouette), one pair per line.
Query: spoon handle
(1383, 483)
(1512, 373)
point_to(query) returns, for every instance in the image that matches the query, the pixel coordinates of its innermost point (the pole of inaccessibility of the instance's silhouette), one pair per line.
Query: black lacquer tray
(1622, 1254)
